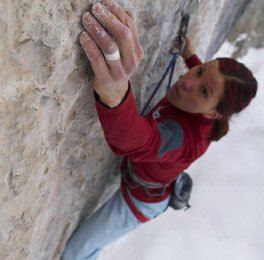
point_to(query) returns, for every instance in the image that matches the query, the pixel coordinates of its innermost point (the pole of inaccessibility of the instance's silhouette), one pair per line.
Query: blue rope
(174, 58)
(169, 69)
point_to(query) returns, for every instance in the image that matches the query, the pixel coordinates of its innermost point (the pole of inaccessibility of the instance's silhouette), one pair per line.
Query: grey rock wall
(248, 31)
(227, 19)
(55, 165)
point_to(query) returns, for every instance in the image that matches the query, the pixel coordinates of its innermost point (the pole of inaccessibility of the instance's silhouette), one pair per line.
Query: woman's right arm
(188, 54)
(126, 132)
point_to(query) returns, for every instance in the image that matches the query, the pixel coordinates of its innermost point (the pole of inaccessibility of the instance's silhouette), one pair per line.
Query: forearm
(186, 54)
(125, 130)
(189, 55)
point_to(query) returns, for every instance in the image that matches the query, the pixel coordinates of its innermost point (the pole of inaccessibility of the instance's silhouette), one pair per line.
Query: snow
(227, 213)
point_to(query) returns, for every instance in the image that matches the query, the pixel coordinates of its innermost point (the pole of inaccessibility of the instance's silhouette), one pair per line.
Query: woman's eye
(199, 71)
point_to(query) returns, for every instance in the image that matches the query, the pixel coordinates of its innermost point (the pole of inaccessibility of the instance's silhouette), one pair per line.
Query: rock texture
(55, 165)
(248, 31)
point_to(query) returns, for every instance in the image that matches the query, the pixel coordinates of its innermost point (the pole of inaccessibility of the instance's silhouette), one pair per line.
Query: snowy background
(226, 220)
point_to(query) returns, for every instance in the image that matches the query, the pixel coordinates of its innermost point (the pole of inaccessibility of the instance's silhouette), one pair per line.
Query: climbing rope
(187, 8)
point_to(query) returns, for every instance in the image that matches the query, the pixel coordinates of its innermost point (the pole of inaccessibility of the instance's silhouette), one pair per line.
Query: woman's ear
(213, 115)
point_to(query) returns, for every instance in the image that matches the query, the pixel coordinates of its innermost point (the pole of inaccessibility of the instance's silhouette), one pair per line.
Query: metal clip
(183, 30)
(188, 8)
(180, 40)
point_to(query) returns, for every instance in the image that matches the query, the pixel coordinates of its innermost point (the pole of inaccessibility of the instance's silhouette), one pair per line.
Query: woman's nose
(188, 85)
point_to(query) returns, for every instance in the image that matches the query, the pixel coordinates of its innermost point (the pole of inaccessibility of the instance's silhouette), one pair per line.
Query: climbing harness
(181, 193)
(187, 8)
(152, 189)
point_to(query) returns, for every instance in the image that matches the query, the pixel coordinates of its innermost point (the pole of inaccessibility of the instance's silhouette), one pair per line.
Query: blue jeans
(109, 223)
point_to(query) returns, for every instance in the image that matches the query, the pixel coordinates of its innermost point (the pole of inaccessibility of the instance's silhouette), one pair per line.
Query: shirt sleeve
(136, 137)
(193, 61)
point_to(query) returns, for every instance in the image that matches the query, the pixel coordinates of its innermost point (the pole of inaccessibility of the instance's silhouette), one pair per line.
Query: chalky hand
(111, 44)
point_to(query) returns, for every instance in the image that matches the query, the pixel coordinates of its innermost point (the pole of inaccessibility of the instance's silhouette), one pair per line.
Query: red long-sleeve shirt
(160, 145)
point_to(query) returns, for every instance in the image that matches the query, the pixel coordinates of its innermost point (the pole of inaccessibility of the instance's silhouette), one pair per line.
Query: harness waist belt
(148, 186)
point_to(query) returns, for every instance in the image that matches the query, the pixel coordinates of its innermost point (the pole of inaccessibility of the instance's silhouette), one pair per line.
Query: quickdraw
(187, 10)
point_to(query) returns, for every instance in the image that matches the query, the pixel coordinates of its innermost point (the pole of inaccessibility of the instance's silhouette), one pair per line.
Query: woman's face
(199, 90)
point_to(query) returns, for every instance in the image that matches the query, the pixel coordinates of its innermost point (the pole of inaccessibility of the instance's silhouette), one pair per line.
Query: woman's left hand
(111, 73)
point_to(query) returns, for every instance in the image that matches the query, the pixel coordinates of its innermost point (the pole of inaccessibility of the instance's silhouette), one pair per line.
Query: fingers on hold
(129, 31)
(126, 17)
(140, 52)
(117, 71)
(110, 5)
(126, 33)
(85, 40)
(131, 14)
(92, 52)
(103, 40)
(84, 36)
(107, 2)
(133, 64)
(110, 47)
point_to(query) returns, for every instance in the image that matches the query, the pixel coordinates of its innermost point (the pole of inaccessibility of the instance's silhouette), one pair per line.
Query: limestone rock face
(56, 167)
(248, 31)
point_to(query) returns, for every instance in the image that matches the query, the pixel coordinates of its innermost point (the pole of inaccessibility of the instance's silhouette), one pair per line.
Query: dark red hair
(240, 89)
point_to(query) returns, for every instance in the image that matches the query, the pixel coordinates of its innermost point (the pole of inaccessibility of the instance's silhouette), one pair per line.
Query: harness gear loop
(139, 182)
(182, 187)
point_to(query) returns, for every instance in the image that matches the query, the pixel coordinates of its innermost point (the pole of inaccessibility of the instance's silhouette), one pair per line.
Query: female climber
(158, 147)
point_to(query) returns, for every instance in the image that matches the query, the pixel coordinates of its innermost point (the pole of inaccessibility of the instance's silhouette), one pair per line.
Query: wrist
(109, 102)
(114, 100)
(187, 55)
